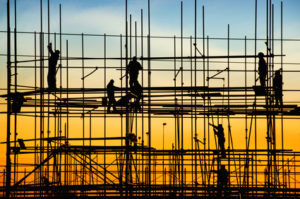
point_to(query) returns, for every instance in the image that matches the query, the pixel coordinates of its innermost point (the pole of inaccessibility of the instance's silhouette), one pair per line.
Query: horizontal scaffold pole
(155, 58)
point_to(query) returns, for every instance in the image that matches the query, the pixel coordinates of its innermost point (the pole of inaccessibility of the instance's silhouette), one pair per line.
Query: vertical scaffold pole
(60, 92)
(204, 98)
(35, 109)
(122, 133)
(228, 100)
(255, 116)
(8, 163)
(142, 63)
(181, 116)
(149, 98)
(48, 101)
(16, 89)
(67, 95)
(195, 99)
(41, 92)
(83, 108)
(126, 119)
(192, 116)
(105, 128)
(175, 110)
(281, 66)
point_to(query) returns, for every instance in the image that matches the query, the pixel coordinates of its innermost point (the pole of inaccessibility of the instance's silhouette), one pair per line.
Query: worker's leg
(133, 79)
(222, 147)
(51, 82)
(262, 80)
(276, 99)
(114, 104)
(280, 98)
(14, 107)
(108, 106)
(219, 189)
(19, 106)
(138, 105)
(54, 82)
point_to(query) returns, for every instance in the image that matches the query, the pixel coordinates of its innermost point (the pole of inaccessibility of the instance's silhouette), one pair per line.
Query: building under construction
(76, 147)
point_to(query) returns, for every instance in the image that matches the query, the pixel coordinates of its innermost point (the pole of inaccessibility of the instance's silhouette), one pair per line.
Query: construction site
(140, 115)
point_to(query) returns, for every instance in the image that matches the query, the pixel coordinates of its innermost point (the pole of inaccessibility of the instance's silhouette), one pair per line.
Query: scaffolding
(56, 162)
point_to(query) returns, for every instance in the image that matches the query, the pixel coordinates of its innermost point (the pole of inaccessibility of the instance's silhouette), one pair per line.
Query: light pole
(164, 124)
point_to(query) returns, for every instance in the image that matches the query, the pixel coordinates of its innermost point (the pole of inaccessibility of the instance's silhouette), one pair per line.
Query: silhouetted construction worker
(111, 96)
(125, 100)
(45, 181)
(222, 179)
(277, 86)
(54, 56)
(132, 140)
(262, 69)
(266, 176)
(137, 91)
(219, 131)
(133, 69)
(18, 100)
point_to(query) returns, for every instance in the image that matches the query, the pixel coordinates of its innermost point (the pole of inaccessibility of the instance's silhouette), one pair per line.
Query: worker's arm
(213, 125)
(216, 132)
(127, 68)
(50, 48)
(57, 68)
(140, 67)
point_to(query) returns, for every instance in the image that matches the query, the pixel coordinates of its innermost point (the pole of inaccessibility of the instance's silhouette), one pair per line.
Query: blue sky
(165, 14)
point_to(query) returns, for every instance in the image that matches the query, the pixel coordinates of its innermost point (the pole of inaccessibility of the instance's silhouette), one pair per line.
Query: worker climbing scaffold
(54, 56)
(219, 132)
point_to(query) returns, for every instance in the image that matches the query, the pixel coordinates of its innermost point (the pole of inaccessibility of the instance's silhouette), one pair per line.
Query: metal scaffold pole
(8, 148)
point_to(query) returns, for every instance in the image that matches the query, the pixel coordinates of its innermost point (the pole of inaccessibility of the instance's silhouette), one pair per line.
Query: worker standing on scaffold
(277, 86)
(222, 175)
(137, 92)
(219, 131)
(54, 56)
(111, 96)
(18, 101)
(133, 69)
(262, 69)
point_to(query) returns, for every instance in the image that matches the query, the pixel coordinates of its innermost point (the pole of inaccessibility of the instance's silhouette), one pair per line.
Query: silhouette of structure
(56, 163)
